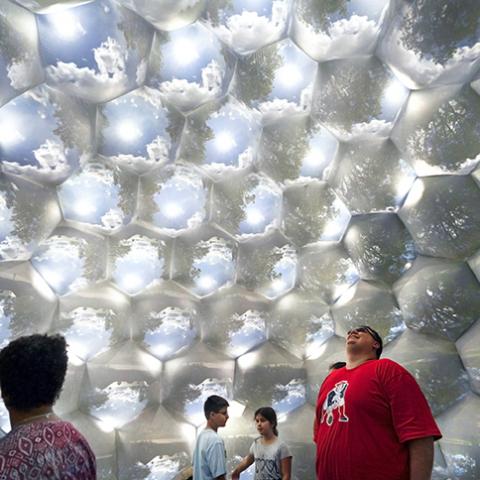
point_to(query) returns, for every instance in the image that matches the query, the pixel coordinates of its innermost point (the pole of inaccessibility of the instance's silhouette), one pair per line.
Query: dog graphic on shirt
(335, 399)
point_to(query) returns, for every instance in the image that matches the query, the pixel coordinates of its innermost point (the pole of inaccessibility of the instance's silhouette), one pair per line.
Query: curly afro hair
(32, 371)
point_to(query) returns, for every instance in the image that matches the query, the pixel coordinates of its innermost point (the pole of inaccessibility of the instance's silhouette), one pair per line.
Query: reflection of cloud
(187, 95)
(166, 466)
(110, 58)
(51, 156)
(249, 31)
(345, 37)
(21, 72)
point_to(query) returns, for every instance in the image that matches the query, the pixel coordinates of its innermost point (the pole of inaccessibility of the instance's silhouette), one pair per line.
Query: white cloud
(24, 72)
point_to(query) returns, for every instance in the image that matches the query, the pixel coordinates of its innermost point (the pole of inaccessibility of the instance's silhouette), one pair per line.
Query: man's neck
(211, 426)
(356, 360)
(17, 417)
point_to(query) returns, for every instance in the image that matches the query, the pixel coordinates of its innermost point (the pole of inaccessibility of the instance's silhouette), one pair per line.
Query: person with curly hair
(40, 445)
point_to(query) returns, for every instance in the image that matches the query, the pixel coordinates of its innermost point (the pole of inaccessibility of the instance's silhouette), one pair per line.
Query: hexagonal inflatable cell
(442, 215)
(432, 43)
(338, 29)
(111, 44)
(440, 297)
(20, 67)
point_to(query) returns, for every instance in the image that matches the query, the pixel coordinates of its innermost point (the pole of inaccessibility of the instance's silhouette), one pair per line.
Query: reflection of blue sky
(189, 50)
(295, 74)
(262, 207)
(173, 333)
(214, 269)
(180, 201)
(249, 333)
(261, 7)
(233, 132)
(320, 330)
(88, 333)
(288, 397)
(72, 34)
(369, 8)
(321, 151)
(124, 402)
(133, 121)
(61, 263)
(26, 123)
(193, 409)
(89, 195)
(284, 275)
(140, 267)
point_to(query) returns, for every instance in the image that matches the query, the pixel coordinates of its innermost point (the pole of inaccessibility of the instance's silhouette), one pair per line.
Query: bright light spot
(314, 350)
(236, 409)
(416, 194)
(53, 278)
(66, 25)
(206, 282)
(185, 51)
(395, 92)
(106, 425)
(279, 285)
(161, 350)
(289, 75)
(127, 131)
(9, 134)
(225, 141)
(172, 210)
(84, 208)
(314, 159)
(254, 216)
(132, 282)
(347, 296)
(248, 360)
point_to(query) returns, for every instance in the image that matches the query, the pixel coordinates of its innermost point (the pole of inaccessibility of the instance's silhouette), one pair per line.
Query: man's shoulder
(210, 437)
(387, 366)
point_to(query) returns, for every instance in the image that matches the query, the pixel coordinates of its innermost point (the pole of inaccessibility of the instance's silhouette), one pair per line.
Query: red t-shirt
(364, 418)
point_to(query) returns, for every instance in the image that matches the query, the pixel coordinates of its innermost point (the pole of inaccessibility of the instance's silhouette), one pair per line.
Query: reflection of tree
(229, 204)
(309, 208)
(136, 31)
(128, 186)
(156, 60)
(451, 136)
(150, 186)
(318, 13)
(12, 43)
(256, 73)
(73, 121)
(284, 145)
(351, 91)
(213, 8)
(197, 134)
(259, 267)
(436, 29)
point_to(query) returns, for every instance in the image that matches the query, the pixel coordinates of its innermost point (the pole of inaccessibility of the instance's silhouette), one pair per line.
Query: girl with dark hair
(272, 457)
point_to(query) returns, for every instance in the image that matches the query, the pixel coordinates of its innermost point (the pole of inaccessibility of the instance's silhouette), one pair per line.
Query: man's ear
(376, 345)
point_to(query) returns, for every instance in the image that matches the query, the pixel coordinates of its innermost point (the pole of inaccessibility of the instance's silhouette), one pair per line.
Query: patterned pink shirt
(51, 449)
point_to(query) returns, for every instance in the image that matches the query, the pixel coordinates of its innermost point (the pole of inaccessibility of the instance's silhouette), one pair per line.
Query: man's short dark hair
(32, 371)
(214, 404)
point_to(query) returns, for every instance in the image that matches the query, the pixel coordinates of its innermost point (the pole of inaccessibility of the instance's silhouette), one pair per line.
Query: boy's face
(219, 419)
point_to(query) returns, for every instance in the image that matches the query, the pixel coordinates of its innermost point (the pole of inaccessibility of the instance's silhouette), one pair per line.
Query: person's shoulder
(386, 366)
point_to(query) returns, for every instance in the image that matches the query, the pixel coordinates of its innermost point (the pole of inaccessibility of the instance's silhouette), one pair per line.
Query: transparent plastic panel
(358, 98)
(440, 297)
(435, 364)
(94, 50)
(137, 131)
(189, 66)
(439, 131)
(221, 138)
(380, 246)
(28, 214)
(278, 80)
(467, 346)
(371, 176)
(246, 25)
(20, 67)
(44, 135)
(442, 215)
(296, 148)
(433, 43)
(338, 29)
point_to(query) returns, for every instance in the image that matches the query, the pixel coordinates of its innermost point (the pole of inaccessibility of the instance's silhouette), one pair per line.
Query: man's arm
(421, 458)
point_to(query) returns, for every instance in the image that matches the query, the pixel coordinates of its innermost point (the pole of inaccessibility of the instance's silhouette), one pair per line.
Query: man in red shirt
(372, 420)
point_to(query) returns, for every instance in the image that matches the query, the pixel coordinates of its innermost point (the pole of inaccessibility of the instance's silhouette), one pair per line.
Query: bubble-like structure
(204, 196)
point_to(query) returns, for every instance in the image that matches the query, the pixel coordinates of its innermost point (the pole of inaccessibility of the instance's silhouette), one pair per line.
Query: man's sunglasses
(366, 329)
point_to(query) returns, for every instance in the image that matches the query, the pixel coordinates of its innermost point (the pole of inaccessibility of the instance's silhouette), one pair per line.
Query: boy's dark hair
(269, 414)
(32, 371)
(214, 404)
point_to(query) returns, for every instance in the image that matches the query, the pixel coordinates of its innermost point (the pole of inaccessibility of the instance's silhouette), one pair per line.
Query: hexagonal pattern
(203, 196)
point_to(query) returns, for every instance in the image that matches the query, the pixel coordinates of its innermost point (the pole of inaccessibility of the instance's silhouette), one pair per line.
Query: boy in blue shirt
(209, 457)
